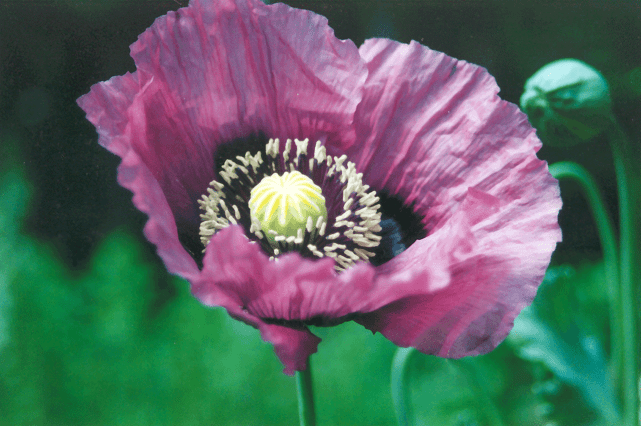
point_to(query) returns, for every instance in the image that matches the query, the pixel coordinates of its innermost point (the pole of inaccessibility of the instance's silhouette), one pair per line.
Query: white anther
(225, 176)
(351, 254)
(256, 161)
(301, 147)
(365, 243)
(363, 254)
(314, 250)
(340, 160)
(288, 148)
(319, 152)
(343, 216)
(343, 261)
(243, 160)
(272, 147)
(372, 236)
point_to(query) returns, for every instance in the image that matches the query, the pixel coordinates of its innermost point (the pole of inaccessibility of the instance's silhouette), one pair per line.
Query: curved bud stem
(570, 170)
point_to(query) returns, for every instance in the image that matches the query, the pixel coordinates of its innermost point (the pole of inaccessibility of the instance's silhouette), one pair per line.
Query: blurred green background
(93, 331)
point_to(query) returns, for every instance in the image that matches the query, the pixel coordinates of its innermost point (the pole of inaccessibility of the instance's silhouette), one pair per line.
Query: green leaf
(559, 332)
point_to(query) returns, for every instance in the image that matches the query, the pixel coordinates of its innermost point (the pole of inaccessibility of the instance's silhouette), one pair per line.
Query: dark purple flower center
(350, 230)
(400, 225)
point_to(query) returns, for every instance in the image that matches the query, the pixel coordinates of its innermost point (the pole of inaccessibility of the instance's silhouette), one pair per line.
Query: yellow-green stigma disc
(284, 203)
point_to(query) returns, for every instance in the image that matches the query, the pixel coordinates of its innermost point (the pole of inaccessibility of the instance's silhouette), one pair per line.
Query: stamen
(272, 148)
(351, 254)
(343, 216)
(301, 149)
(319, 152)
(314, 250)
(363, 254)
(288, 147)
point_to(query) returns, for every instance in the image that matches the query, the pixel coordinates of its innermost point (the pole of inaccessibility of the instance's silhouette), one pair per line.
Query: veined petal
(289, 289)
(110, 106)
(493, 269)
(438, 126)
(467, 160)
(279, 297)
(219, 70)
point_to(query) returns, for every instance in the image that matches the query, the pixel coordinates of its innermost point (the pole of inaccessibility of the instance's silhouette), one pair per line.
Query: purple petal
(219, 70)
(207, 74)
(239, 276)
(109, 107)
(228, 69)
(468, 161)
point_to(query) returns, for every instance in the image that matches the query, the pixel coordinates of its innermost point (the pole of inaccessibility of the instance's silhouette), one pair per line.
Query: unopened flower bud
(568, 102)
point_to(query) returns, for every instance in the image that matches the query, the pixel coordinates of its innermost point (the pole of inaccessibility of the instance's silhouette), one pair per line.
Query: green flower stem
(477, 383)
(399, 385)
(628, 184)
(305, 391)
(570, 170)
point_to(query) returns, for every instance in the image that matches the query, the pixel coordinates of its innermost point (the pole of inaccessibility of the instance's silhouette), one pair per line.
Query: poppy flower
(404, 195)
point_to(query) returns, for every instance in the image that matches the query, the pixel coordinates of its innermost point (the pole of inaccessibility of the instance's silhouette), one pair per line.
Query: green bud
(568, 102)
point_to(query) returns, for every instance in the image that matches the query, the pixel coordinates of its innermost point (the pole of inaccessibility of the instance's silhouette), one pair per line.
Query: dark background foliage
(51, 52)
